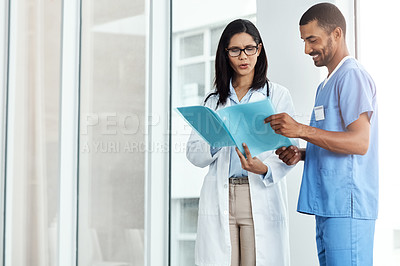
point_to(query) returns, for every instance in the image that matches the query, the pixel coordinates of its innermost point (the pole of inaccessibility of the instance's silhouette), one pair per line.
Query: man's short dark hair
(327, 15)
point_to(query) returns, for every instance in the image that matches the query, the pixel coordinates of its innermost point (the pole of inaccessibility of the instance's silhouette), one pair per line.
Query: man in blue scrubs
(340, 177)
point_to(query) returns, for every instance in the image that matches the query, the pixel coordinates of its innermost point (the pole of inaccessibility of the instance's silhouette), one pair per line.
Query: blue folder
(236, 124)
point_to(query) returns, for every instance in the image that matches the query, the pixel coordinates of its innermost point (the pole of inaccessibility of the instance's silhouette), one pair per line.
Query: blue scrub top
(343, 185)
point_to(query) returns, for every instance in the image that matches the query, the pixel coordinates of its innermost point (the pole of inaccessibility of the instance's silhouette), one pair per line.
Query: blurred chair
(97, 257)
(135, 241)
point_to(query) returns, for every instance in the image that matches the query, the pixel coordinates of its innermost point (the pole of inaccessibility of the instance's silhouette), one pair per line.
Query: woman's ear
(259, 49)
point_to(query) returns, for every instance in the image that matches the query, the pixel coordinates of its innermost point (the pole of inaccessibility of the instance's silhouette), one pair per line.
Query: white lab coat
(268, 197)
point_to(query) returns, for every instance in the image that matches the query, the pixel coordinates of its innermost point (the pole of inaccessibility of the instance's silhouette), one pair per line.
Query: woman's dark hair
(223, 69)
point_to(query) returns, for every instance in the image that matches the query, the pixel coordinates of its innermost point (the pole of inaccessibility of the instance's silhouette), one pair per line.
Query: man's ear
(337, 33)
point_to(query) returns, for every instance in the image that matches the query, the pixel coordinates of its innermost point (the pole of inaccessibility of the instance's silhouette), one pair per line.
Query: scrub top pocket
(333, 120)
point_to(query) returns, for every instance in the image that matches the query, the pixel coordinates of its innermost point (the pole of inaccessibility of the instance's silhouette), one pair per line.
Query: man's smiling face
(318, 43)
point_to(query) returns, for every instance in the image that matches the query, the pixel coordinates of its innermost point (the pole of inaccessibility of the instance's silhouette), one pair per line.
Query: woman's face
(243, 64)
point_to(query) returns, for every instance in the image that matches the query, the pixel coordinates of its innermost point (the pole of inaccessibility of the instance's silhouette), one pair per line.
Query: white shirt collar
(336, 68)
(262, 90)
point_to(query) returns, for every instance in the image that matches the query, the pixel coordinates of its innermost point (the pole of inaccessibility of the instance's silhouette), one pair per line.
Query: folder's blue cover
(207, 124)
(237, 124)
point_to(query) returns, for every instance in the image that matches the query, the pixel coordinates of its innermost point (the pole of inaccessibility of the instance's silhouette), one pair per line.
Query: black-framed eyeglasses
(249, 50)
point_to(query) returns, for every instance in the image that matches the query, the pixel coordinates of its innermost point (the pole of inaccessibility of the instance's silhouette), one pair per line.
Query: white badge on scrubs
(319, 113)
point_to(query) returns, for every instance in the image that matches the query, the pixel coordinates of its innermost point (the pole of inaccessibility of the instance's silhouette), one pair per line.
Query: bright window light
(378, 51)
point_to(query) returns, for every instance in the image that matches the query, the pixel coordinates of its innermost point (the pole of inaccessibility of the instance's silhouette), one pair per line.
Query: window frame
(69, 132)
(4, 33)
(158, 117)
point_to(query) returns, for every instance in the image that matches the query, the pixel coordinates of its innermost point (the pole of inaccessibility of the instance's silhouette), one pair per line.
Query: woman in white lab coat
(241, 67)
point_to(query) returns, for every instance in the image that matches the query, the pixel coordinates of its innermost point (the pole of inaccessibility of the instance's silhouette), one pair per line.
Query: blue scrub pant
(344, 241)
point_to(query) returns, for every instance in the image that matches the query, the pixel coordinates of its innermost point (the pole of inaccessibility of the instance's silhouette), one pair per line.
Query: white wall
(278, 22)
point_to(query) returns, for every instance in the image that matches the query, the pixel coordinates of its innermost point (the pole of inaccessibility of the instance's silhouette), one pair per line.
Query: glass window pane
(192, 83)
(186, 256)
(189, 209)
(112, 150)
(191, 46)
(33, 140)
(215, 35)
(212, 75)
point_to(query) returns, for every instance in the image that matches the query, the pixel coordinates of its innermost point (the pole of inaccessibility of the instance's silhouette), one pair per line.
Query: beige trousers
(241, 226)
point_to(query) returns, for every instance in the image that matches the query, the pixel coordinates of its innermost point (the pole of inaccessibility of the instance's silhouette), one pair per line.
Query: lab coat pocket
(276, 203)
(272, 203)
